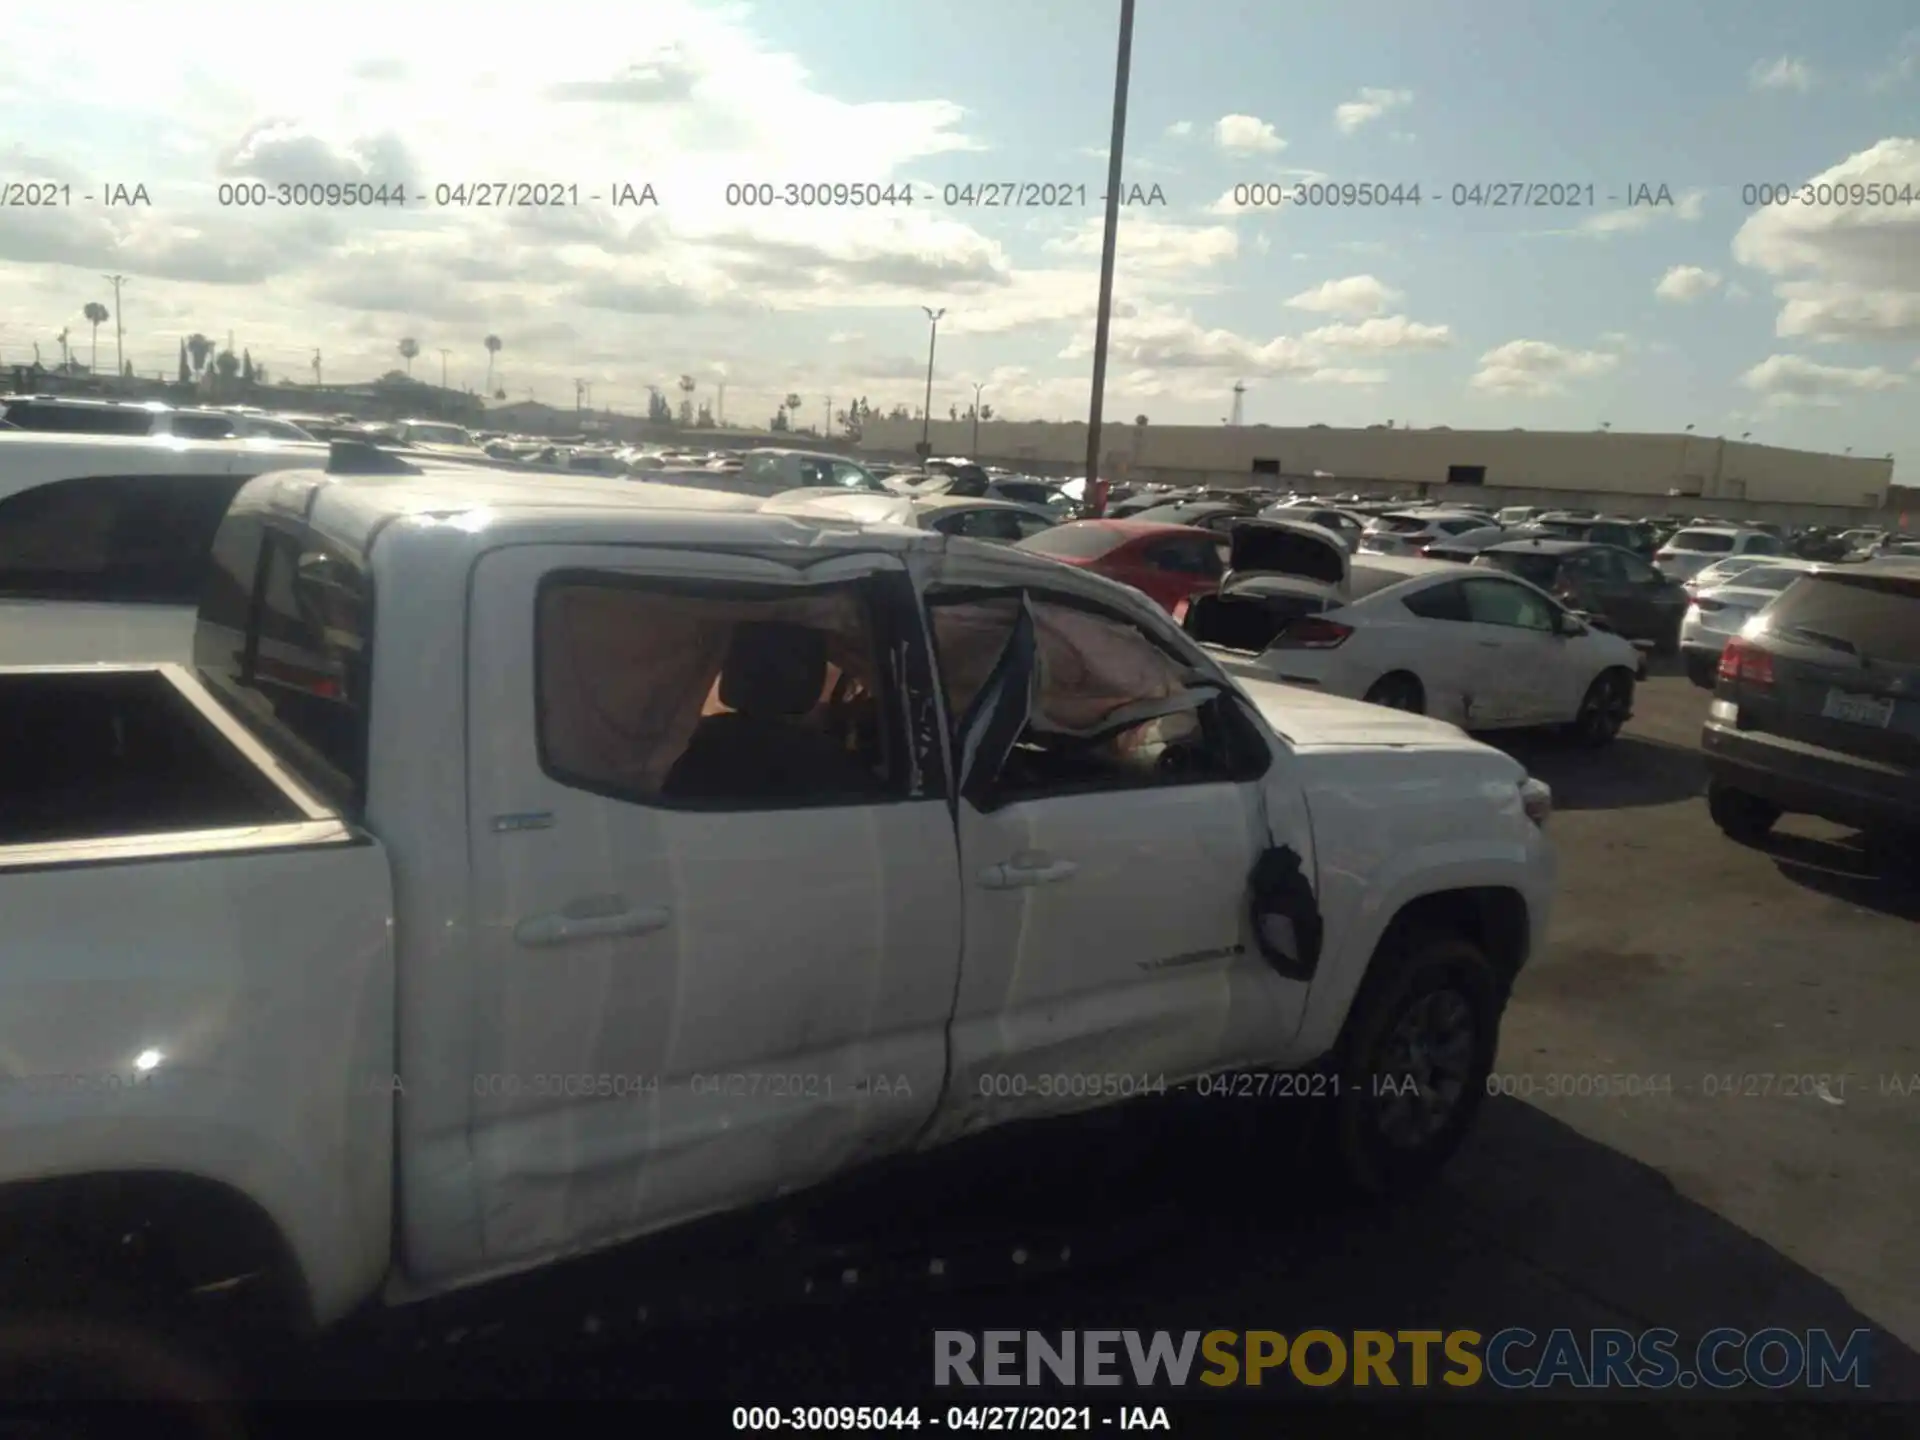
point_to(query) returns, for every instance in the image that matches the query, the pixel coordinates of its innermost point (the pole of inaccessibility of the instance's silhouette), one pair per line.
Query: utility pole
(926, 415)
(974, 453)
(119, 327)
(720, 413)
(1116, 146)
(443, 368)
(316, 370)
(827, 430)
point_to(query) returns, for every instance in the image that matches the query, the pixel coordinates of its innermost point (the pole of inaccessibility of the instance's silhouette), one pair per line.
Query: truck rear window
(112, 539)
(285, 641)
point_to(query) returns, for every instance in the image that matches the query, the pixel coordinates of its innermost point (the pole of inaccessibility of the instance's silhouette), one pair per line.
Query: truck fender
(1284, 913)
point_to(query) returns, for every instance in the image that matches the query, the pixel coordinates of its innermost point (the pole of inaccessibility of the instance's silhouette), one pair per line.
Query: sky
(1798, 323)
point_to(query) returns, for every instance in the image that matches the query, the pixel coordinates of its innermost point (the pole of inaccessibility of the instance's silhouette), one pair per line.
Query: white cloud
(1347, 377)
(1246, 133)
(1355, 295)
(1170, 341)
(185, 107)
(1786, 73)
(1368, 106)
(1180, 129)
(1149, 243)
(1683, 283)
(1389, 332)
(1264, 197)
(1536, 368)
(1844, 271)
(1688, 205)
(1790, 380)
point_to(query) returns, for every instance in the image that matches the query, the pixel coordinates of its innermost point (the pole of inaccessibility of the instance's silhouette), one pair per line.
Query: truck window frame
(346, 790)
(896, 644)
(1229, 726)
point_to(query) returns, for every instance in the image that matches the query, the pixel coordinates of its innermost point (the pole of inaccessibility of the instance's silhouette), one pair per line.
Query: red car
(1170, 563)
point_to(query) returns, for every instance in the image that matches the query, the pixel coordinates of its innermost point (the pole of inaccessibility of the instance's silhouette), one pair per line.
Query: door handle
(559, 928)
(1025, 871)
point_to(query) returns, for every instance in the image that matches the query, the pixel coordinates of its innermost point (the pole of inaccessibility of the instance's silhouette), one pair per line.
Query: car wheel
(1606, 708)
(1398, 691)
(1703, 670)
(1413, 1062)
(1740, 816)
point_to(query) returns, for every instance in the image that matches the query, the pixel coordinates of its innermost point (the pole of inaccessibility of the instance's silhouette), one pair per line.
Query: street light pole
(926, 415)
(1123, 67)
(976, 419)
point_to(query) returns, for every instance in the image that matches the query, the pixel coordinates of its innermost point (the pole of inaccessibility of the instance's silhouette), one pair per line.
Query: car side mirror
(1571, 623)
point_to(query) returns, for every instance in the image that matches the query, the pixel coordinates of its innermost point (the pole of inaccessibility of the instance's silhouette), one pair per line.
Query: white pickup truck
(514, 873)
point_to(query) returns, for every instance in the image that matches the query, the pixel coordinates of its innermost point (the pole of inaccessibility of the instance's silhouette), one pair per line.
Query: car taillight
(1180, 608)
(1747, 663)
(1313, 633)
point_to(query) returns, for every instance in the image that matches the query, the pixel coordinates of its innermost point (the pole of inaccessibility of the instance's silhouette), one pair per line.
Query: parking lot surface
(1762, 1170)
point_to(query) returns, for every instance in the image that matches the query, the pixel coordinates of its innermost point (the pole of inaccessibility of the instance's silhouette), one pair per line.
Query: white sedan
(1484, 650)
(1720, 612)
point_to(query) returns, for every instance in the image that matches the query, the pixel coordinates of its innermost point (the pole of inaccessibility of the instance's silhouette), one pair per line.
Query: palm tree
(97, 316)
(409, 348)
(199, 351)
(493, 349)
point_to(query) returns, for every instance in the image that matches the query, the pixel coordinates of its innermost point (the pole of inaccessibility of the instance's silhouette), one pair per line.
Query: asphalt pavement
(1763, 1170)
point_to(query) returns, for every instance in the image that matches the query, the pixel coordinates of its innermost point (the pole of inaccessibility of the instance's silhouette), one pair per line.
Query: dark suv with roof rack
(1816, 709)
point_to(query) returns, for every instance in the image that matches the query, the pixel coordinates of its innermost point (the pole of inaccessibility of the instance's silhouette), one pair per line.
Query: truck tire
(1412, 1067)
(73, 1334)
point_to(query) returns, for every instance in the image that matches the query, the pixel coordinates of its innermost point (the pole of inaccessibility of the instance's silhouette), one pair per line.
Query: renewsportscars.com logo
(1512, 1359)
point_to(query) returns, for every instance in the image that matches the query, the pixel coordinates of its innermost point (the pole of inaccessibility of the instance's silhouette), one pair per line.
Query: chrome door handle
(559, 928)
(1014, 876)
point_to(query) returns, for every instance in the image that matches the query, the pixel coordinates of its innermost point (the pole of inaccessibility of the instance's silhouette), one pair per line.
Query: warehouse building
(1604, 470)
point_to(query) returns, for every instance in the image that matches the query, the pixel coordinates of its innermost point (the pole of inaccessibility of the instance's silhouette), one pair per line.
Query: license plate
(1858, 709)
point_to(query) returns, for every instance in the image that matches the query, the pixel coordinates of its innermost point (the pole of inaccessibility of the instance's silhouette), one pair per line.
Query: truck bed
(97, 753)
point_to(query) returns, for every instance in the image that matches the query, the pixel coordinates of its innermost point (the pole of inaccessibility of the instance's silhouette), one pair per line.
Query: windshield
(1076, 541)
(1701, 542)
(1399, 524)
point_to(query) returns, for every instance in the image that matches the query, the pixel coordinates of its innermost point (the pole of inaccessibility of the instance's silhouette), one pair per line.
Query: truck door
(716, 898)
(1112, 816)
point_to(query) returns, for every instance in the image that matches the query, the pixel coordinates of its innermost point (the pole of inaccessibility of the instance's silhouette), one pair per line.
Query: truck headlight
(1536, 798)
